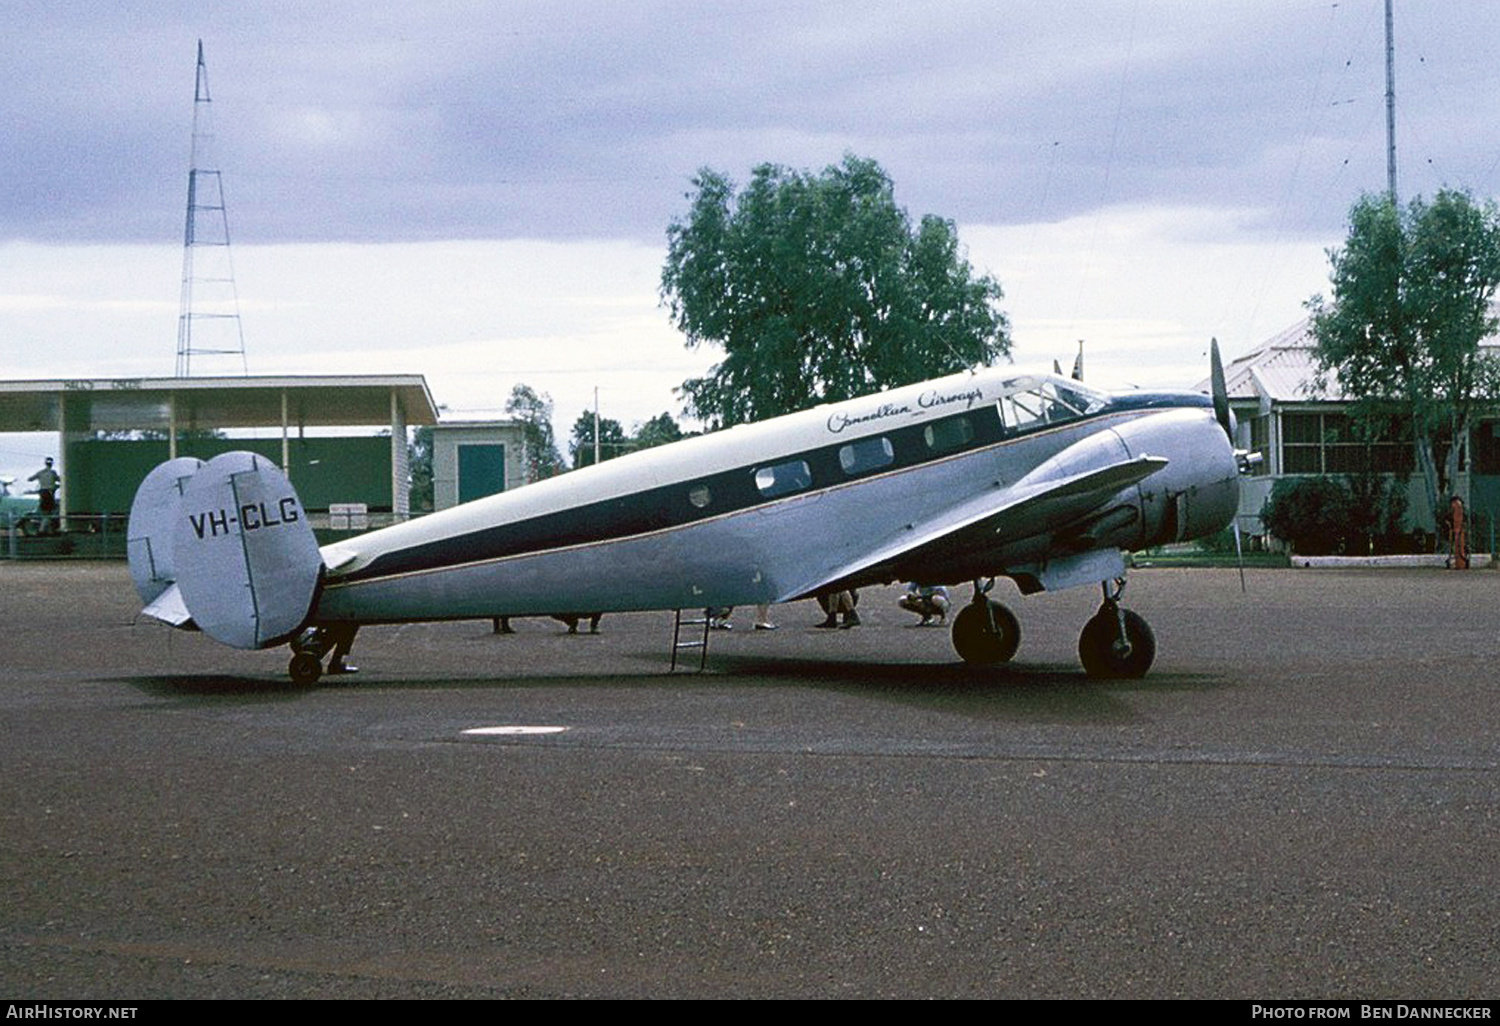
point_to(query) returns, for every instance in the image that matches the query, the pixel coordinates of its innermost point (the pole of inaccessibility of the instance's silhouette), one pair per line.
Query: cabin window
(700, 496)
(783, 478)
(866, 455)
(952, 433)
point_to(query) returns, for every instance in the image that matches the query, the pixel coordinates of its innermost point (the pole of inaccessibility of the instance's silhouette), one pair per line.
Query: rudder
(153, 518)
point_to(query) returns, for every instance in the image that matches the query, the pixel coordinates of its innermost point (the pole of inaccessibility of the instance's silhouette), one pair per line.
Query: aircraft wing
(1018, 511)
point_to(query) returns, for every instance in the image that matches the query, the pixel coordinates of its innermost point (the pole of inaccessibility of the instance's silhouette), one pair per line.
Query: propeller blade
(1239, 554)
(1220, 389)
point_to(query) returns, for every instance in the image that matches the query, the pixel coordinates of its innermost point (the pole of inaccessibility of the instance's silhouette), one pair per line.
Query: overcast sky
(479, 192)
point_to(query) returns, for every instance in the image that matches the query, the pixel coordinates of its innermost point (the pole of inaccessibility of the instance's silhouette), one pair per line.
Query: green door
(481, 471)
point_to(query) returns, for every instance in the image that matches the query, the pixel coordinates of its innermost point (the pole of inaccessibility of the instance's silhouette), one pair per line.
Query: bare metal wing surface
(979, 524)
(966, 478)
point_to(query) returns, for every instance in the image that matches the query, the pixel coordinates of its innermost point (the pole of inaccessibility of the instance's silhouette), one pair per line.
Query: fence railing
(71, 537)
(102, 535)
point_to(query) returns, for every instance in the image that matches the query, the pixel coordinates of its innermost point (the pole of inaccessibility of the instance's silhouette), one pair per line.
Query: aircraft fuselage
(792, 506)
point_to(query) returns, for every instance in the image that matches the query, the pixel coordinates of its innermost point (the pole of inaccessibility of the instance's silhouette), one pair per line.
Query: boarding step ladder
(699, 642)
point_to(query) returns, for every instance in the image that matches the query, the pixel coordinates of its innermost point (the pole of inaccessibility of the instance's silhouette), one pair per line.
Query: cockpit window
(1022, 410)
(1081, 400)
(1047, 402)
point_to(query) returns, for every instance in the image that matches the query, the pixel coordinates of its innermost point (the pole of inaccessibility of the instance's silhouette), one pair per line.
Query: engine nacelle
(1198, 492)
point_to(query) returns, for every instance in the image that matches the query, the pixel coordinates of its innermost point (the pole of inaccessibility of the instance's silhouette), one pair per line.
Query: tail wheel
(986, 632)
(305, 669)
(1102, 651)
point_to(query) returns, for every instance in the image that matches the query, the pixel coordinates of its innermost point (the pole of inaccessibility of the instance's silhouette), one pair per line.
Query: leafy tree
(659, 430)
(1411, 302)
(419, 466)
(818, 289)
(534, 410)
(612, 441)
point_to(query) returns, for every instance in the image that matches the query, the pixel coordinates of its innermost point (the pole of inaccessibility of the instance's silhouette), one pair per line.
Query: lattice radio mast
(208, 323)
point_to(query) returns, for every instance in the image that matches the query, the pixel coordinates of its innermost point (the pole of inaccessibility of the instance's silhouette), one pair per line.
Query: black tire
(304, 669)
(976, 641)
(1096, 647)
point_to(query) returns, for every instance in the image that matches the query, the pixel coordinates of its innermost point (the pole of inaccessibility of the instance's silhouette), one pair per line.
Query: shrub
(1220, 543)
(1312, 514)
(1377, 514)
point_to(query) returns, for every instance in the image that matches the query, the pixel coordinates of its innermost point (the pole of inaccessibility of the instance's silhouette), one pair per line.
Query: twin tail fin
(224, 546)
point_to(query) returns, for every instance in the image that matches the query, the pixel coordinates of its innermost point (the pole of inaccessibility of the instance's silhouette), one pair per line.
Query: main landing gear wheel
(986, 632)
(1107, 653)
(304, 669)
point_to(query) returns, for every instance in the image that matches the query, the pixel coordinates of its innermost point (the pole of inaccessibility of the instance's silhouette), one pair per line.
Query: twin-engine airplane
(968, 478)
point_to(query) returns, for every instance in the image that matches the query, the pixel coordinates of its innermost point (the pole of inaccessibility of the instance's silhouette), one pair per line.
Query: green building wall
(102, 476)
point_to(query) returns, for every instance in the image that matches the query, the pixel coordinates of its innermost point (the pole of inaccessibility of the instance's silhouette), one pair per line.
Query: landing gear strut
(1116, 643)
(309, 647)
(985, 631)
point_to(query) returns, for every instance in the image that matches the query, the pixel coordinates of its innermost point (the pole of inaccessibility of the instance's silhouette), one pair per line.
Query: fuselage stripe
(665, 508)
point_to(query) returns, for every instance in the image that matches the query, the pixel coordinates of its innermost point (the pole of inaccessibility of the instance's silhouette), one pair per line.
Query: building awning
(206, 404)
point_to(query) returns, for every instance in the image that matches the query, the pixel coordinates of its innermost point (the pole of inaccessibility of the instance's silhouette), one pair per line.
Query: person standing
(47, 482)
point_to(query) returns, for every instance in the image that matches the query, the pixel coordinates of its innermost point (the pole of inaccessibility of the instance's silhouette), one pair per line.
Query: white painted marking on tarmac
(513, 730)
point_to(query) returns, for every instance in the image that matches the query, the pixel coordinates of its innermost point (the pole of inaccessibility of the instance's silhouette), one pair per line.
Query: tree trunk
(1431, 486)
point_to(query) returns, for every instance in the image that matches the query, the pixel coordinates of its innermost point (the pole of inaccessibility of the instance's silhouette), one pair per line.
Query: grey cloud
(560, 119)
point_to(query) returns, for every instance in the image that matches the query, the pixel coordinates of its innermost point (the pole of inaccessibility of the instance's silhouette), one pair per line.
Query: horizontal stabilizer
(336, 557)
(169, 608)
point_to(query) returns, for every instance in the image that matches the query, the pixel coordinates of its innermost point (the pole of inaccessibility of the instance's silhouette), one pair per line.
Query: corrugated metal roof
(1282, 369)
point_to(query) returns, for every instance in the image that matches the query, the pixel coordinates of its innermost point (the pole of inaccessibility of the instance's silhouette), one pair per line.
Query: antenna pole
(1390, 100)
(209, 297)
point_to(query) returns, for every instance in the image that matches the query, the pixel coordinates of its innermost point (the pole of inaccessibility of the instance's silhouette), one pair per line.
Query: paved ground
(1300, 801)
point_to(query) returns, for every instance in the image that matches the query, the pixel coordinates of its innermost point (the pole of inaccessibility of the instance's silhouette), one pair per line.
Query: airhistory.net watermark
(58, 1010)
